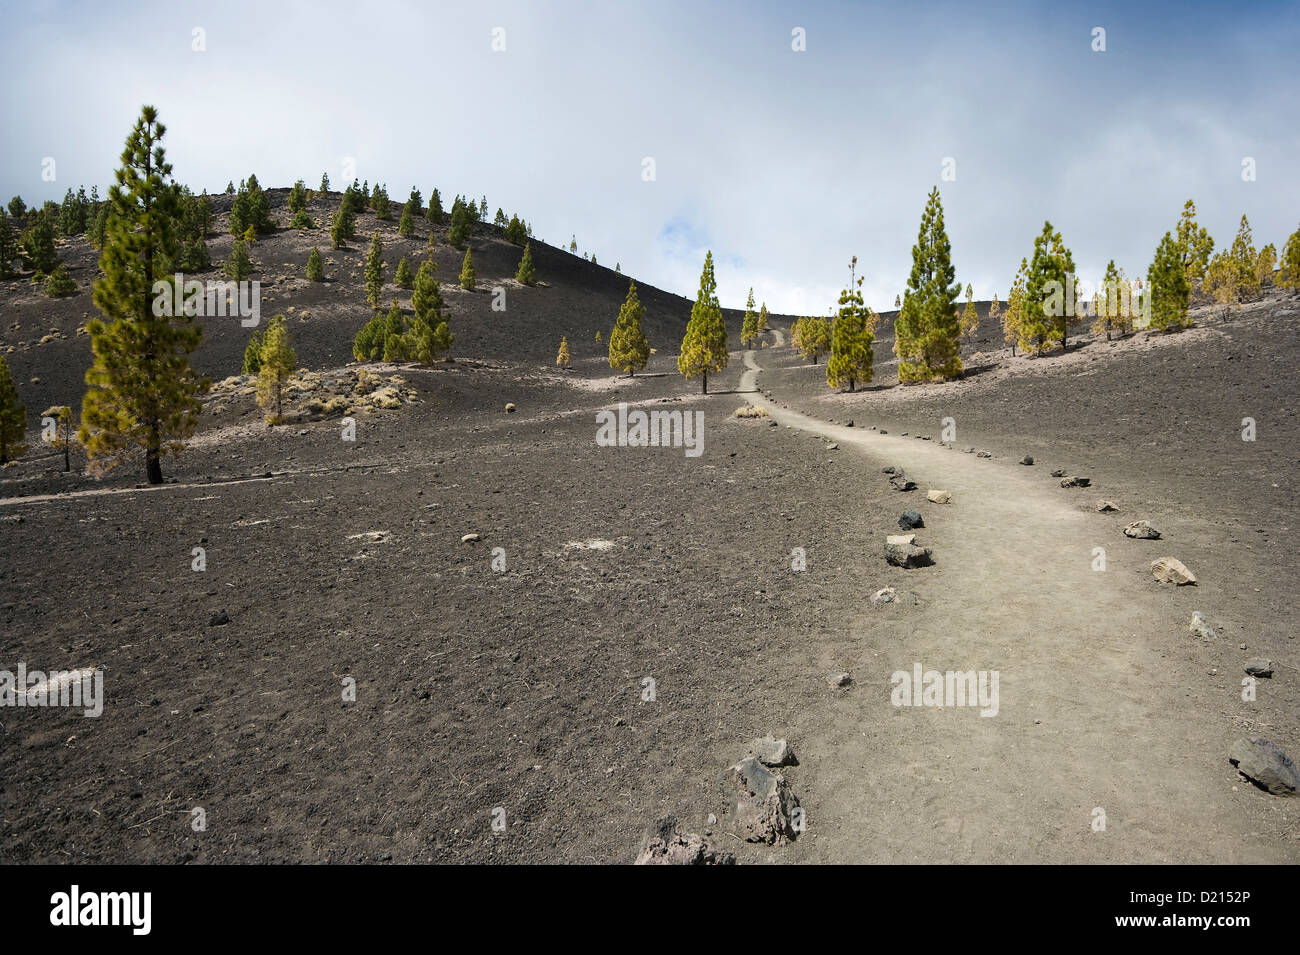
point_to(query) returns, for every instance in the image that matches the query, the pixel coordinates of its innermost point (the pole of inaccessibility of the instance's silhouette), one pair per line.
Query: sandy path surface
(1090, 717)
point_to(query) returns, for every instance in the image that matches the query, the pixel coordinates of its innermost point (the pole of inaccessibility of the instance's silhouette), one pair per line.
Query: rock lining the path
(1169, 570)
(1142, 530)
(761, 803)
(908, 556)
(1265, 764)
(665, 845)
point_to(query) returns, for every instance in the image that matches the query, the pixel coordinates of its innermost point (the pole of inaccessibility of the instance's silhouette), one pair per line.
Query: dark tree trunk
(153, 466)
(706, 381)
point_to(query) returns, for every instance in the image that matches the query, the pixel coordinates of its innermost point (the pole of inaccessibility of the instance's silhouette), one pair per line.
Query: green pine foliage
(250, 210)
(1244, 259)
(749, 325)
(404, 278)
(434, 211)
(527, 272)
(374, 271)
(315, 267)
(1045, 319)
(853, 332)
(37, 247)
(297, 200)
(252, 354)
(516, 232)
(1194, 245)
(8, 247)
(426, 298)
(406, 225)
(1167, 285)
(462, 224)
(927, 326)
(13, 417)
(1288, 275)
(379, 202)
(74, 213)
(143, 395)
(276, 365)
(704, 347)
(467, 275)
(628, 348)
(59, 284)
(238, 265)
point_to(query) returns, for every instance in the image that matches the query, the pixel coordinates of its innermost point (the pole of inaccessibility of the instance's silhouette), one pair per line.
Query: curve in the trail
(1086, 723)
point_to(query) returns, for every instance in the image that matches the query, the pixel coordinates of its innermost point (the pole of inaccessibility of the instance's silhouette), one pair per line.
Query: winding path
(1088, 718)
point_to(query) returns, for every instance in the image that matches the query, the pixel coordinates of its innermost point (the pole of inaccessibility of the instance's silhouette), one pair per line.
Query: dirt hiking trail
(1091, 716)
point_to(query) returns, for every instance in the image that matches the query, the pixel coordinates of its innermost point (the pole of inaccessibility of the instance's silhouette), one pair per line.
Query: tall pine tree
(704, 347)
(628, 349)
(13, 417)
(925, 334)
(143, 395)
(852, 335)
(1167, 286)
(749, 325)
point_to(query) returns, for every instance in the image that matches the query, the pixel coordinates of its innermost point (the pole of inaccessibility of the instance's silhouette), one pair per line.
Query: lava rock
(761, 803)
(939, 497)
(1027, 460)
(910, 520)
(1265, 764)
(1201, 626)
(219, 619)
(1260, 668)
(1167, 570)
(664, 845)
(772, 752)
(908, 556)
(1142, 530)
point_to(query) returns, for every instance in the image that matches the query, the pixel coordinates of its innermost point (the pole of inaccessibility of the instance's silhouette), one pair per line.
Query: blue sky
(784, 163)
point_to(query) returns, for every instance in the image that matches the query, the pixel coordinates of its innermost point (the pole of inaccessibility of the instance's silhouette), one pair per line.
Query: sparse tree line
(1046, 299)
(143, 395)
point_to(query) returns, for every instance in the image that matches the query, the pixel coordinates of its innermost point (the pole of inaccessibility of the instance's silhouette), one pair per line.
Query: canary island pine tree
(970, 321)
(375, 271)
(315, 268)
(852, 334)
(527, 272)
(13, 417)
(1110, 303)
(1013, 318)
(1194, 246)
(628, 348)
(1046, 314)
(143, 395)
(60, 435)
(1168, 288)
(704, 347)
(749, 325)
(467, 271)
(1244, 258)
(925, 333)
(252, 354)
(1289, 265)
(275, 368)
